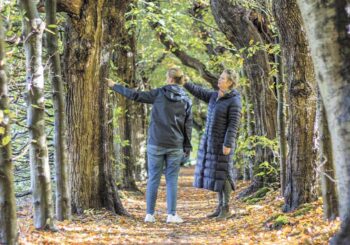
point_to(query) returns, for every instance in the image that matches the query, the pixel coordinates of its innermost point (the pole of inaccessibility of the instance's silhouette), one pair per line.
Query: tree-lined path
(250, 223)
(73, 153)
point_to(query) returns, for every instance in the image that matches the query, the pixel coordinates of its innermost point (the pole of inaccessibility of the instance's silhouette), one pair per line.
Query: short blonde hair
(177, 74)
(232, 76)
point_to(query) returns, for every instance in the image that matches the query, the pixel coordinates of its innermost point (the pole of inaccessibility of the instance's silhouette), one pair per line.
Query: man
(169, 137)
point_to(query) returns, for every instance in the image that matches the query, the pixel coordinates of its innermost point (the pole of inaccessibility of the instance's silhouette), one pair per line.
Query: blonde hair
(177, 74)
(232, 76)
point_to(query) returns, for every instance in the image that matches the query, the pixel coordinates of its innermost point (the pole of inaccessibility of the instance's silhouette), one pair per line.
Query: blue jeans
(158, 158)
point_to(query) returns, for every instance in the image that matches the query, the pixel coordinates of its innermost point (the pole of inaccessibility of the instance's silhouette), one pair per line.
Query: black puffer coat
(213, 167)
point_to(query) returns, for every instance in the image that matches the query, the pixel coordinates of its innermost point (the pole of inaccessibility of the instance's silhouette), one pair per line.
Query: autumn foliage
(251, 223)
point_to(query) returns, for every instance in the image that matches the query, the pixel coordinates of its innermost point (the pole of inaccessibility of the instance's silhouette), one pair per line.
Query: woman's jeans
(168, 160)
(224, 196)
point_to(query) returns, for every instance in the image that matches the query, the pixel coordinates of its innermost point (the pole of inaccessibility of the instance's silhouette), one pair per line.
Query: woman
(169, 137)
(214, 168)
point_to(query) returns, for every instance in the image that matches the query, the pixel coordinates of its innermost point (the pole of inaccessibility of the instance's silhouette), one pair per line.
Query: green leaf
(2, 130)
(52, 26)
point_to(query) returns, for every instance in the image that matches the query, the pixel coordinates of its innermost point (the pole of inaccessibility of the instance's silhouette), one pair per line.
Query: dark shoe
(224, 213)
(215, 213)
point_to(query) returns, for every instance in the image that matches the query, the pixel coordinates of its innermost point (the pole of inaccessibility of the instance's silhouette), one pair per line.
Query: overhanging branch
(185, 58)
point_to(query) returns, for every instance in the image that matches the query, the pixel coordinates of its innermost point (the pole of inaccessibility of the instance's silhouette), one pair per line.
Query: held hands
(110, 82)
(226, 150)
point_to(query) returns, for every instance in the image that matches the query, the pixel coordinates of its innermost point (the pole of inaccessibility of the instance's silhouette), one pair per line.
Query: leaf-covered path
(250, 223)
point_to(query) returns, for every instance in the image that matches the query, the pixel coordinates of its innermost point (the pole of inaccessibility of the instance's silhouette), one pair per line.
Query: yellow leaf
(6, 140)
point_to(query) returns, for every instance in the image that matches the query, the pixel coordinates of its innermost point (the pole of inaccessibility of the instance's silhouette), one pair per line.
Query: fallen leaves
(247, 225)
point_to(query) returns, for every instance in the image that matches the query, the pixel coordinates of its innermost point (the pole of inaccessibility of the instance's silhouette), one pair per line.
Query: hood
(174, 92)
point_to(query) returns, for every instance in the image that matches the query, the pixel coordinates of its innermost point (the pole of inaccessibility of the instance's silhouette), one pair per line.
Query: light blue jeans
(167, 160)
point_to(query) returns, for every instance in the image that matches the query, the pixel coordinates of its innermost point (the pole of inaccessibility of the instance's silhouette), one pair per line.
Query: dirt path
(247, 226)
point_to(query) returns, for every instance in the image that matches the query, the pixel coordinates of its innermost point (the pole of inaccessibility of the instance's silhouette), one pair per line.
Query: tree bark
(250, 131)
(63, 202)
(234, 21)
(89, 112)
(134, 116)
(300, 80)
(71, 7)
(281, 125)
(329, 193)
(8, 217)
(329, 39)
(33, 28)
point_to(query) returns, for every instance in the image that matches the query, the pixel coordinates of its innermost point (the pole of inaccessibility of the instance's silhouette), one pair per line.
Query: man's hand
(110, 82)
(226, 150)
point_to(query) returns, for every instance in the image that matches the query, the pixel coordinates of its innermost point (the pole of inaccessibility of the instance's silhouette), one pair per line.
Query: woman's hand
(110, 82)
(226, 150)
(186, 79)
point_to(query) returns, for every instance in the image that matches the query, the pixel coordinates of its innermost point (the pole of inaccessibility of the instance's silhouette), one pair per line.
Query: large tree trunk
(133, 116)
(234, 21)
(329, 193)
(8, 217)
(300, 80)
(63, 202)
(90, 131)
(40, 170)
(329, 39)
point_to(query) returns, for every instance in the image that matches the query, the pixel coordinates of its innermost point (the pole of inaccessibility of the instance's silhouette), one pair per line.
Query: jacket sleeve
(234, 116)
(199, 92)
(143, 97)
(188, 128)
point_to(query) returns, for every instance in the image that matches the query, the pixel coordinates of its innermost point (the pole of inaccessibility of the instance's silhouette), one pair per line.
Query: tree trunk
(329, 193)
(300, 79)
(133, 118)
(250, 131)
(89, 114)
(63, 202)
(329, 39)
(40, 170)
(8, 217)
(234, 21)
(281, 125)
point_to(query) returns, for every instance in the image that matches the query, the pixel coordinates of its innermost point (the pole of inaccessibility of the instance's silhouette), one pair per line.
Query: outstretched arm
(143, 97)
(199, 92)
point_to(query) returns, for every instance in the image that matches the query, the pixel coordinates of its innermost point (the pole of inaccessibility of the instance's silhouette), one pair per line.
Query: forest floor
(259, 222)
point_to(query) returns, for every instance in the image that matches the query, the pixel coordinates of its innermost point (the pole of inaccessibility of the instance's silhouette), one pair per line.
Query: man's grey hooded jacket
(171, 117)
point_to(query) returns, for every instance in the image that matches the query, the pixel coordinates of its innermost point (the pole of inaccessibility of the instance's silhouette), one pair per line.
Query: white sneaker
(150, 218)
(174, 219)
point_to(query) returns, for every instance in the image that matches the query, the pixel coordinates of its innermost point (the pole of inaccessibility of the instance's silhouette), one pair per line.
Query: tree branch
(186, 59)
